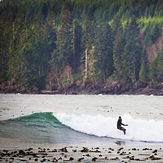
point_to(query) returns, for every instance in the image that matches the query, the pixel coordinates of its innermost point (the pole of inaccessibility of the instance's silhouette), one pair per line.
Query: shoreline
(84, 154)
(112, 88)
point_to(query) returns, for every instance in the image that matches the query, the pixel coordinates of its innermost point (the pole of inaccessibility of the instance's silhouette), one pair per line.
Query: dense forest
(49, 44)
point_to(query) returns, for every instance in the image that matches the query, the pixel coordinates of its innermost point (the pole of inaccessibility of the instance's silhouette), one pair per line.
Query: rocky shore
(84, 154)
(115, 87)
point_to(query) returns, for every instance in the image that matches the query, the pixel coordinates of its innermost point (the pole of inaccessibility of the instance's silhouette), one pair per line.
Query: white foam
(101, 126)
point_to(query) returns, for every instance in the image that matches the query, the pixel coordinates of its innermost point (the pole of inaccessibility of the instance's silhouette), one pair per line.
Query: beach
(61, 128)
(84, 154)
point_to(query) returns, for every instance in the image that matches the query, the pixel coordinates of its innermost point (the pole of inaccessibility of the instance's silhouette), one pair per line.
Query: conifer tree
(63, 54)
(77, 35)
(153, 70)
(17, 61)
(143, 72)
(6, 36)
(118, 49)
(104, 49)
(132, 32)
(85, 44)
(160, 67)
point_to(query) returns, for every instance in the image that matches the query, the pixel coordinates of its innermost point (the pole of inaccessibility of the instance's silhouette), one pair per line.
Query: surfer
(119, 123)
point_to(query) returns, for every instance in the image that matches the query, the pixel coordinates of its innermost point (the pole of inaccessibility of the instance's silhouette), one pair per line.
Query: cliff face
(154, 49)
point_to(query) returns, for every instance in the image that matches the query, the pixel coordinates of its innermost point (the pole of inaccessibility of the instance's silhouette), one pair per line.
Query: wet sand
(83, 154)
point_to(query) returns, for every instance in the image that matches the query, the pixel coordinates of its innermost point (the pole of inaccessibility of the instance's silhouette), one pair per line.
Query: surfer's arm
(124, 124)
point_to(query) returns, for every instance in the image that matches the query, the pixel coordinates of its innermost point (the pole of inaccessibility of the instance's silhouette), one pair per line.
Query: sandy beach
(84, 154)
(115, 151)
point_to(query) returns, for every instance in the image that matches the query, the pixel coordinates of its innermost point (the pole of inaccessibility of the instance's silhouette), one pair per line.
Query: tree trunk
(86, 63)
(74, 45)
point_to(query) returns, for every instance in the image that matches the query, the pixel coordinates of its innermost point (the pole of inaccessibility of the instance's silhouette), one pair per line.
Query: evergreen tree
(118, 49)
(36, 32)
(160, 67)
(143, 73)
(104, 49)
(153, 70)
(86, 42)
(131, 51)
(77, 35)
(6, 35)
(63, 54)
(17, 45)
(126, 53)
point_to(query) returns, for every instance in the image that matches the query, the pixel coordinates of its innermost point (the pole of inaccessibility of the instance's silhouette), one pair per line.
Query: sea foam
(101, 126)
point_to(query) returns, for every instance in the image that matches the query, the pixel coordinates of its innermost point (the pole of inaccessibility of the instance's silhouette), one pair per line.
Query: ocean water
(82, 120)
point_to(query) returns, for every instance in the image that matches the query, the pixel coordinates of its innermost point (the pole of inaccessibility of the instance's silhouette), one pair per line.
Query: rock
(97, 148)
(119, 150)
(116, 158)
(64, 149)
(144, 149)
(94, 159)
(71, 158)
(131, 158)
(21, 152)
(122, 153)
(79, 160)
(54, 160)
(54, 150)
(155, 151)
(88, 155)
(111, 149)
(85, 149)
(60, 158)
(114, 87)
(138, 85)
(152, 157)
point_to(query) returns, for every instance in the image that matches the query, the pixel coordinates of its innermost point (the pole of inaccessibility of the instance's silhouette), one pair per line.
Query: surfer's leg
(124, 130)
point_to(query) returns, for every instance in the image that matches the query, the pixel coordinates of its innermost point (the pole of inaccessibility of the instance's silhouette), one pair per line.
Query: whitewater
(48, 120)
(140, 130)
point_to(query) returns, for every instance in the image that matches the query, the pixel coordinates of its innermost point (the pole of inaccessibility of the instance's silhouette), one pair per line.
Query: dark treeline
(48, 44)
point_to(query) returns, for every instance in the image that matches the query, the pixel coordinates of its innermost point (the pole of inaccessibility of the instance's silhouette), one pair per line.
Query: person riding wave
(119, 123)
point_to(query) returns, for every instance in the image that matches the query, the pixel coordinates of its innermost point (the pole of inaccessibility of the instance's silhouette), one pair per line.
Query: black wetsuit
(119, 123)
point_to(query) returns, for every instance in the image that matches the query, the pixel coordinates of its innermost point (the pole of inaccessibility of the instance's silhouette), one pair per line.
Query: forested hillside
(49, 44)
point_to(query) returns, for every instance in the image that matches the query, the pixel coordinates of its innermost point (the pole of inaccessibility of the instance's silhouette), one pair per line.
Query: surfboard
(129, 137)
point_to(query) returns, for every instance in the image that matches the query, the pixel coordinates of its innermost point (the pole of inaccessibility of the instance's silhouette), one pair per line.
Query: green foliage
(126, 53)
(153, 70)
(104, 49)
(156, 69)
(63, 54)
(152, 33)
(160, 68)
(77, 76)
(68, 39)
(143, 73)
(145, 22)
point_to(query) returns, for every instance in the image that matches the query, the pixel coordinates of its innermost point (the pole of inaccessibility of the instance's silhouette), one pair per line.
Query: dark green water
(43, 129)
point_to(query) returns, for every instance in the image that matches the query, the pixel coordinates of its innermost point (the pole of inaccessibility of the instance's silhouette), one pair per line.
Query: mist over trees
(49, 44)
